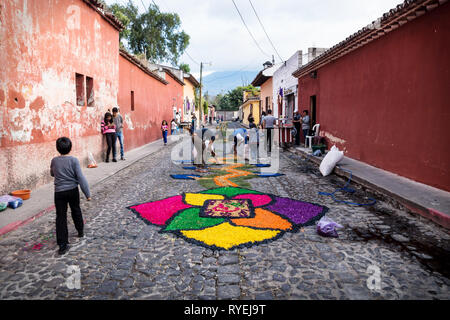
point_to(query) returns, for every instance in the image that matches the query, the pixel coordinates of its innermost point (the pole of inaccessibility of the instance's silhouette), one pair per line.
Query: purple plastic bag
(327, 228)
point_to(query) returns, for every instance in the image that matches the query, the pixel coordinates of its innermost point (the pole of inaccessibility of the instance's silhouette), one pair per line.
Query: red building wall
(153, 102)
(44, 44)
(388, 103)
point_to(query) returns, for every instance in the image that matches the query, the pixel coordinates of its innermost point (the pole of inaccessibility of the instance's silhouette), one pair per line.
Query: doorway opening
(290, 105)
(313, 107)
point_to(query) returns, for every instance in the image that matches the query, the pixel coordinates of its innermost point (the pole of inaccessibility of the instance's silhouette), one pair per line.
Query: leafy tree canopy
(185, 67)
(155, 33)
(234, 98)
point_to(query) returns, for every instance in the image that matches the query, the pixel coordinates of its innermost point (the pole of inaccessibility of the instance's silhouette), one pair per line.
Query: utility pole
(201, 106)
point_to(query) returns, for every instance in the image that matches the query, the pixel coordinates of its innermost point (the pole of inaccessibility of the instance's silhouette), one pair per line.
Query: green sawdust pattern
(208, 181)
(190, 219)
(230, 191)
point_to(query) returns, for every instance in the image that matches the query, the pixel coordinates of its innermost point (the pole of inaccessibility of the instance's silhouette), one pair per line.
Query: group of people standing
(252, 136)
(301, 121)
(268, 122)
(112, 129)
(175, 125)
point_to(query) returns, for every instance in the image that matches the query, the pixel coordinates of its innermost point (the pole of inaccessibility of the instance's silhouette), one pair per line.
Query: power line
(191, 58)
(251, 35)
(281, 59)
(143, 6)
(123, 2)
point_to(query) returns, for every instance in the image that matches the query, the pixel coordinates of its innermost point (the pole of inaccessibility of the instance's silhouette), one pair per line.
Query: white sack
(331, 159)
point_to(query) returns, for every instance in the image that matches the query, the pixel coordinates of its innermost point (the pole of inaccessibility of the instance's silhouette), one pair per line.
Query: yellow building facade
(189, 98)
(251, 106)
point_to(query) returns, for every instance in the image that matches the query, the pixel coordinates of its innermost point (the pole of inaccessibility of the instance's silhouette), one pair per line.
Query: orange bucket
(24, 194)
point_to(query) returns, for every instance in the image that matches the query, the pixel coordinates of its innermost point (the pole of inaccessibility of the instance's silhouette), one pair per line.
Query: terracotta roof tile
(105, 13)
(140, 65)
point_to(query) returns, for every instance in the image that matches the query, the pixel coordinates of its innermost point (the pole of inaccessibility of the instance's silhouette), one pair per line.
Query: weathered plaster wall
(387, 103)
(43, 44)
(153, 102)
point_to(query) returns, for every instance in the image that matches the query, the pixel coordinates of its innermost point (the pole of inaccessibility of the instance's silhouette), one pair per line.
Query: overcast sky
(219, 36)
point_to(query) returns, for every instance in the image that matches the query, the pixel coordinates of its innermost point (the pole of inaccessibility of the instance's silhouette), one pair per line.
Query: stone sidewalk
(429, 202)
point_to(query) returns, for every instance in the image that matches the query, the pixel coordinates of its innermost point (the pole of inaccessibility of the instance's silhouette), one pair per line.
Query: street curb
(17, 224)
(431, 214)
(129, 163)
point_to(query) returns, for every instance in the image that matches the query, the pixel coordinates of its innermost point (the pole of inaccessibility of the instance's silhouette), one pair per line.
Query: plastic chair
(308, 139)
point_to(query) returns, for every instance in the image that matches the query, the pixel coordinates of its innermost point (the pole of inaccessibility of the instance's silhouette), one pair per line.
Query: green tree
(205, 107)
(185, 67)
(220, 102)
(234, 98)
(119, 12)
(196, 98)
(156, 33)
(127, 15)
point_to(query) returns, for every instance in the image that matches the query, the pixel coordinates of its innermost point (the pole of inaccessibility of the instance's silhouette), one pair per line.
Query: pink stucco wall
(153, 102)
(266, 91)
(387, 103)
(44, 43)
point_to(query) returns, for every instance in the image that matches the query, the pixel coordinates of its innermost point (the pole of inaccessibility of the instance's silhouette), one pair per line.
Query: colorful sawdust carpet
(185, 176)
(229, 217)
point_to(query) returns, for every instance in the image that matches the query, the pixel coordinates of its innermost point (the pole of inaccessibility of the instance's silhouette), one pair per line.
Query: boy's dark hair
(306, 111)
(115, 109)
(63, 145)
(269, 112)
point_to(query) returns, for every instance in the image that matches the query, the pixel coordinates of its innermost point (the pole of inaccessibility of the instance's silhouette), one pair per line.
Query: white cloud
(219, 36)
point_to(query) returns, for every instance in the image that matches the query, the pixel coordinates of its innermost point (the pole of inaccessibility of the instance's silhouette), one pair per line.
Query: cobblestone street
(121, 257)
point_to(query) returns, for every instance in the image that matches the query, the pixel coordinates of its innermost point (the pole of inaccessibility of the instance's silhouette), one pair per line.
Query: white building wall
(314, 53)
(283, 79)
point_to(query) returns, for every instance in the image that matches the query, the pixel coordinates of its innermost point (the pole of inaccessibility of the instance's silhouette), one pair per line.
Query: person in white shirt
(173, 126)
(269, 124)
